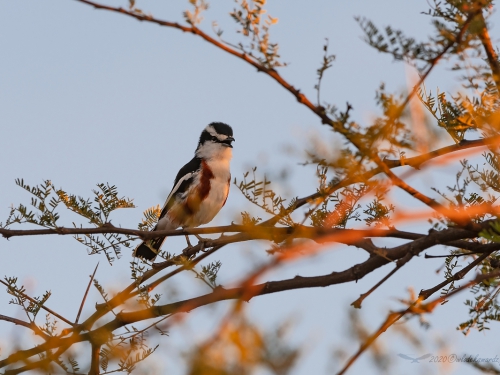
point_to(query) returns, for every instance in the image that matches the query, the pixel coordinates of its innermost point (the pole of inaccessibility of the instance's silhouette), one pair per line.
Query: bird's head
(215, 141)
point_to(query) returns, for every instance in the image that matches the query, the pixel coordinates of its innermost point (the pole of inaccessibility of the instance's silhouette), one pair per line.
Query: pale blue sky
(89, 96)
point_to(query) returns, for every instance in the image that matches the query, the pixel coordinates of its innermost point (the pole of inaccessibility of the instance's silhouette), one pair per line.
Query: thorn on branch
(349, 108)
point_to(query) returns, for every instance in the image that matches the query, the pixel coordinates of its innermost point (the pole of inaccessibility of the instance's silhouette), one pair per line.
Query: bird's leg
(187, 240)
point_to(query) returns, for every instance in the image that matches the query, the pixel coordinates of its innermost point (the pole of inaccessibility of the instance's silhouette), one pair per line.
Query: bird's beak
(228, 141)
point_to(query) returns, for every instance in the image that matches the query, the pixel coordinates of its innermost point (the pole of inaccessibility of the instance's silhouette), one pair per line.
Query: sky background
(90, 96)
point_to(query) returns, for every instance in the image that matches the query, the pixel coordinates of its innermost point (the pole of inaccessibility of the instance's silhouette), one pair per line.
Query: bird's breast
(211, 192)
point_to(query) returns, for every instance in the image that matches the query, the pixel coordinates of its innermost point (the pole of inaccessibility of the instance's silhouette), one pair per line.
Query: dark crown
(219, 128)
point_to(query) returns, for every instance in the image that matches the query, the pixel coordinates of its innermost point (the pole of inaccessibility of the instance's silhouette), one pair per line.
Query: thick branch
(95, 356)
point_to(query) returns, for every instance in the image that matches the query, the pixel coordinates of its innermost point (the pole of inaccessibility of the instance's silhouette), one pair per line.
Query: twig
(457, 276)
(38, 304)
(357, 304)
(85, 295)
(491, 54)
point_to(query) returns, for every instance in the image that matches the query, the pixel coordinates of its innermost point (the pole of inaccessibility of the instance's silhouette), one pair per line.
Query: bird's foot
(201, 239)
(202, 242)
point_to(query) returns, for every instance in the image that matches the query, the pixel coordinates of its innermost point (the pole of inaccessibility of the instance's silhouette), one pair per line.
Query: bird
(200, 188)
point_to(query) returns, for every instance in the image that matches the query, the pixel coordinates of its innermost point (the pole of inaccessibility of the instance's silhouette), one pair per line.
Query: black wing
(182, 181)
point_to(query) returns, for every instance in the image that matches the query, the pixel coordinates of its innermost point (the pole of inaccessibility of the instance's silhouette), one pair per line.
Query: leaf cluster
(250, 17)
(46, 201)
(260, 193)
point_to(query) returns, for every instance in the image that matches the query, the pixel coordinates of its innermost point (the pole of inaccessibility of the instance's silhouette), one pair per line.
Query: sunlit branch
(249, 291)
(95, 355)
(301, 98)
(491, 54)
(246, 233)
(41, 364)
(354, 273)
(415, 162)
(412, 191)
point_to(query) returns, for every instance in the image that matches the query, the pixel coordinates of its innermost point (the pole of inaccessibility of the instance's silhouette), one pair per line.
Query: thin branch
(427, 256)
(415, 162)
(85, 295)
(457, 276)
(400, 263)
(15, 321)
(412, 191)
(39, 304)
(301, 98)
(491, 54)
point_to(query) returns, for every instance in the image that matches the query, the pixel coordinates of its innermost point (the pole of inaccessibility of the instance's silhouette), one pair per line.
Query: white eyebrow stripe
(210, 129)
(176, 187)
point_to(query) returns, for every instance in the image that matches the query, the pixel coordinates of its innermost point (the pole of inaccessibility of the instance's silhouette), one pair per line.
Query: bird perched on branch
(200, 188)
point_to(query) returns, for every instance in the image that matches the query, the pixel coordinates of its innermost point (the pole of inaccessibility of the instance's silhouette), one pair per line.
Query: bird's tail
(149, 249)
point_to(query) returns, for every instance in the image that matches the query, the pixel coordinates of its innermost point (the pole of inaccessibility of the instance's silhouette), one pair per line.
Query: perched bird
(200, 188)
